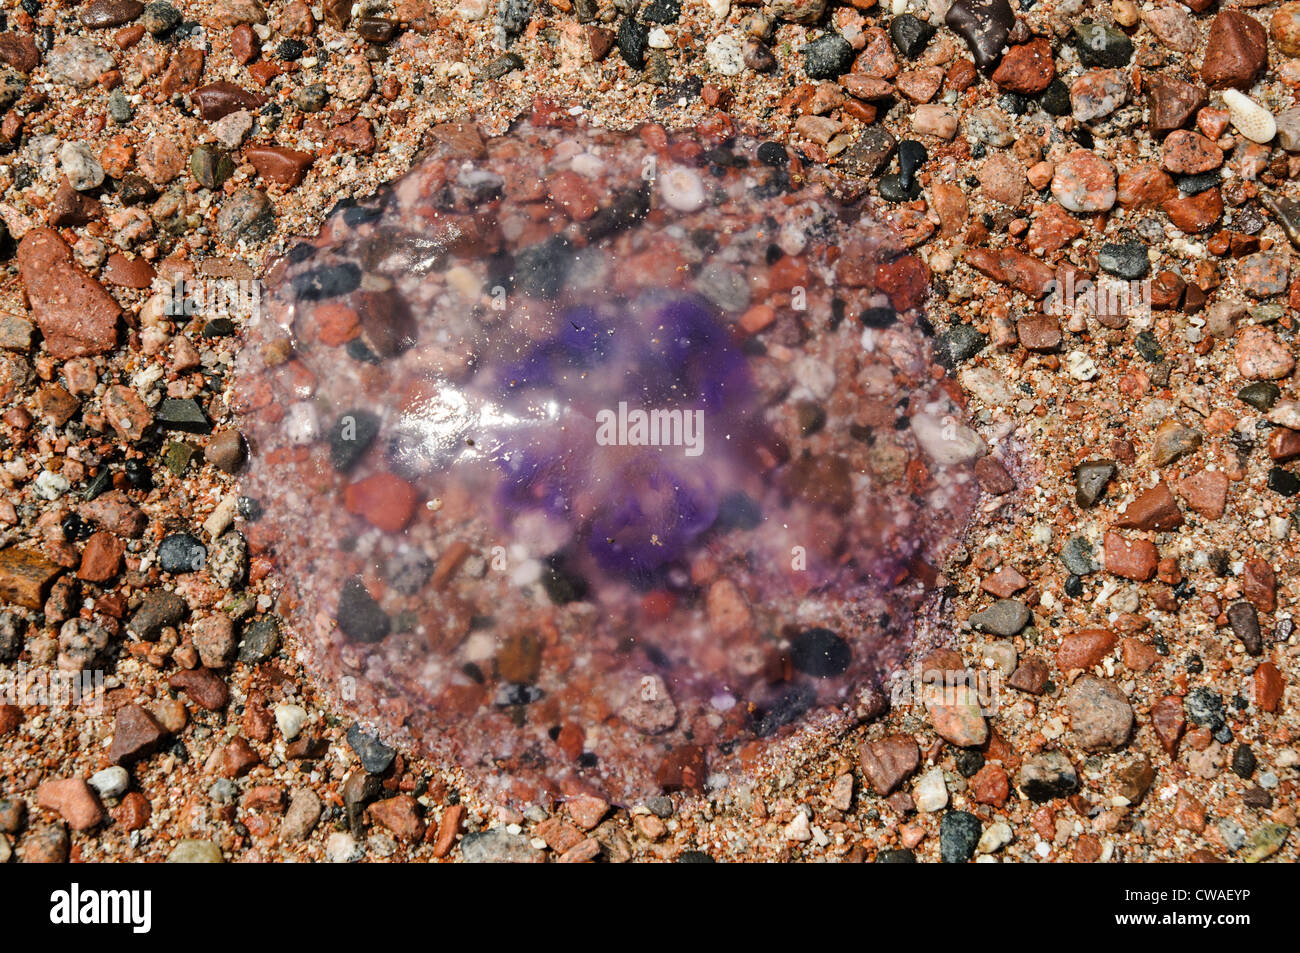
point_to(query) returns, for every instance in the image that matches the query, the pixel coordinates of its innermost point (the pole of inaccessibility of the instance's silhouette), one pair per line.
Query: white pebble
(930, 793)
(726, 54)
(682, 189)
(300, 422)
(341, 848)
(111, 782)
(945, 441)
(994, 838)
(222, 515)
(659, 39)
(1250, 118)
(51, 486)
(799, 829)
(80, 166)
(1081, 366)
(290, 720)
(719, 8)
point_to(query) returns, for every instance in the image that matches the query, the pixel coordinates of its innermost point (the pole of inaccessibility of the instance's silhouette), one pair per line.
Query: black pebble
(878, 318)
(820, 653)
(181, 552)
(984, 25)
(1055, 99)
(633, 41)
(738, 511)
(562, 584)
(1127, 260)
(827, 57)
(911, 156)
(350, 437)
(541, 269)
(1283, 482)
(1243, 762)
(959, 832)
(910, 35)
(327, 281)
(959, 343)
(290, 49)
(773, 154)
(137, 474)
(183, 414)
(71, 525)
(375, 755)
(900, 855)
(892, 189)
(359, 615)
(785, 710)
(968, 761)
(1204, 706)
(662, 11)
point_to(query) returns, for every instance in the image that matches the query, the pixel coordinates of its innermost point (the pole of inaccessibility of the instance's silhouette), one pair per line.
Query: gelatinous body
(602, 461)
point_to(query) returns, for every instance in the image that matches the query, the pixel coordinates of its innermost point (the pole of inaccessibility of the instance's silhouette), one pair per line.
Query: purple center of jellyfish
(654, 400)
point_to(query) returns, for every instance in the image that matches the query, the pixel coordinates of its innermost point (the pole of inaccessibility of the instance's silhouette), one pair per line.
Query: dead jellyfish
(603, 461)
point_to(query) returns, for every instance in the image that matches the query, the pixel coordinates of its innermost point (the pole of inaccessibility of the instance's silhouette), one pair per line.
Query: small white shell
(1250, 118)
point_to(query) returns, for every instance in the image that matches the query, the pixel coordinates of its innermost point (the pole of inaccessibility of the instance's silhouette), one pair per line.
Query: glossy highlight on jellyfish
(603, 461)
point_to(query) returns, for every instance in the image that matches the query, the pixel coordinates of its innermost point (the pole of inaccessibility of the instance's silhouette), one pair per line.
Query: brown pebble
(75, 314)
(286, 167)
(1154, 509)
(127, 272)
(25, 577)
(205, 687)
(1236, 51)
(216, 100)
(135, 735)
(74, 799)
(101, 14)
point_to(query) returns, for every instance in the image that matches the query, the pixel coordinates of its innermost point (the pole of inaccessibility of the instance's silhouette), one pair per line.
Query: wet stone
(359, 615)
